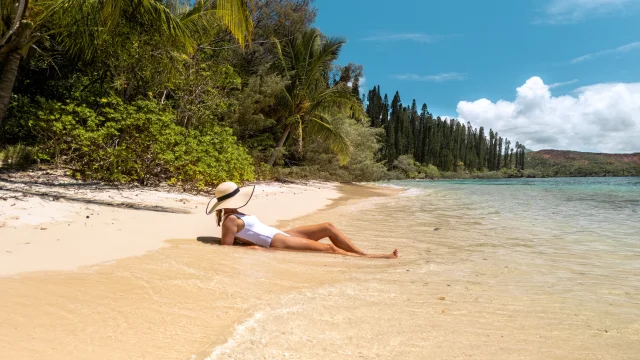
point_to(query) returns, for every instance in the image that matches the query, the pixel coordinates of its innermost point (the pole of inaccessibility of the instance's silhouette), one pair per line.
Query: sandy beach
(50, 222)
(87, 271)
(144, 277)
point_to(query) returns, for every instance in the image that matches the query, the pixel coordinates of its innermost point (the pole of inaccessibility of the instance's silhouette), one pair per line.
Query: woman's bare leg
(326, 230)
(281, 241)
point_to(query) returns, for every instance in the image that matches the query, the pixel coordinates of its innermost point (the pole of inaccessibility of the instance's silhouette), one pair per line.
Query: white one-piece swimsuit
(257, 232)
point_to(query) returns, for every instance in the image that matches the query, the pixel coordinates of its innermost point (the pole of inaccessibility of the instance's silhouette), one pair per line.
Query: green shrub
(265, 172)
(430, 171)
(488, 175)
(406, 165)
(209, 156)
(17, 156)
(532, 174)
(13, 130)
(112, 141)
(321, 163)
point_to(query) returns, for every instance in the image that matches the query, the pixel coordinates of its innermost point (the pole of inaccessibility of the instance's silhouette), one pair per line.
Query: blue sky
(462, 57)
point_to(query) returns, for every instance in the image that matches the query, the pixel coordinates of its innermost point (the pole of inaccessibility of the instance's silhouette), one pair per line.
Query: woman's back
(255, 231)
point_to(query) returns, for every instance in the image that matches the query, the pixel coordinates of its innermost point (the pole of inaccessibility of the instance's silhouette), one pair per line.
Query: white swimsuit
(257, 232)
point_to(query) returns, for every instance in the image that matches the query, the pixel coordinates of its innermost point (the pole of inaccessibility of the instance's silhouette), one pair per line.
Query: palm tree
(307, 102)
(76, 24)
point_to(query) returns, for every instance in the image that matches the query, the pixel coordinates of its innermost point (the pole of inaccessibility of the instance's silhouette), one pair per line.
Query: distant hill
(575, 163)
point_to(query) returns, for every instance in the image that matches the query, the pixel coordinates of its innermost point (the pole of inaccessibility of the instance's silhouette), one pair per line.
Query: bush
(17, 156)
(488, 175)
(406, 165)
(321, 163)
(112, 141)
(13, 130)
(430, 171)
(532, 174)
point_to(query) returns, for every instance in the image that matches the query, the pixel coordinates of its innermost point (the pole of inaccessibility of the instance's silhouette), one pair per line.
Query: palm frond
(320, 127)
(334, 98)
(86, 21)
(235, 14)
(284, 101)
(202, 24)
(326, 54)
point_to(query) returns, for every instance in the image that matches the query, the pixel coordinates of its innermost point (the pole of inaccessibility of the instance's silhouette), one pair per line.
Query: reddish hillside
(575, 163)
(585, 157)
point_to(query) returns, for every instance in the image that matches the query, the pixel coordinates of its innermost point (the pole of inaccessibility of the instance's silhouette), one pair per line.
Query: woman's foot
(393, 255)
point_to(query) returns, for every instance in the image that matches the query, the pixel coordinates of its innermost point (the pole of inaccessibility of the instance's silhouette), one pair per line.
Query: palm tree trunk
(276, 151)
(7, 79)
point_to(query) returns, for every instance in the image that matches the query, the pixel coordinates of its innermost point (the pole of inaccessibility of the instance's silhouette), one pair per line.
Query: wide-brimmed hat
(230, 196)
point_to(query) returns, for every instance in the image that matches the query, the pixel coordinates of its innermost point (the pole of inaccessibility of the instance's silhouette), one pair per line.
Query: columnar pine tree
(507, 144)
(394, 130)
(444, 143)
(511, 159)
(374, 106)
(413, 126)
(420, 143)
(490, 156)
(499, 157)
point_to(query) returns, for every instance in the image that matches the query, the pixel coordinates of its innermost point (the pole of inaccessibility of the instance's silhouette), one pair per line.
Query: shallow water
(508, 269)
(526, 269)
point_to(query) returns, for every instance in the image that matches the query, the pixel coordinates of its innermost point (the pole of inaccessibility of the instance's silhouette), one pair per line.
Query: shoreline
(182, 299)
(50, 222)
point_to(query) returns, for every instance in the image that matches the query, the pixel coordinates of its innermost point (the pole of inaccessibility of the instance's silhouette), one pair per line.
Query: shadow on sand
(209, 240)
(214, 240)
(78, 198)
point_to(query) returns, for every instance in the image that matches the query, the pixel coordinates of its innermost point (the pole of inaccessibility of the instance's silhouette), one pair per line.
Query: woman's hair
(219, 215)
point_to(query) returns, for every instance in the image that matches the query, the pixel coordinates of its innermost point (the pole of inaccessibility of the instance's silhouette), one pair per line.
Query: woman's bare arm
(229, 230)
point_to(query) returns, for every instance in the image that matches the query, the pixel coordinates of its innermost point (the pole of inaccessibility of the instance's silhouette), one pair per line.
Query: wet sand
(172, 303)
(470, 282)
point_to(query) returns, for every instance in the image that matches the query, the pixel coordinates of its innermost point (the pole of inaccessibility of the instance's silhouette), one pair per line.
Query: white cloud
(572, 11)
(361, 81)
(417, 37)
(620, 49)
(601, 117)
(431, 78)
(565, 83)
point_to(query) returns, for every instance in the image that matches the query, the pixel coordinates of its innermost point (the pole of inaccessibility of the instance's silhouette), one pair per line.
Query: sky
(561, 74)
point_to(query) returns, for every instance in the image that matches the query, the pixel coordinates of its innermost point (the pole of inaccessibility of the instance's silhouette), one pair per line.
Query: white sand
(49, 222)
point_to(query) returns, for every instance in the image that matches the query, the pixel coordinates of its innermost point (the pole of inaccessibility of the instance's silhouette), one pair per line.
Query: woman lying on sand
(249, 230)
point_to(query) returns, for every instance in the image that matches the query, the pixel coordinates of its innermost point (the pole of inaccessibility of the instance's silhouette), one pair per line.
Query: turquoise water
(577, 214)
(606, 209)
(582, 227)
(488, 269)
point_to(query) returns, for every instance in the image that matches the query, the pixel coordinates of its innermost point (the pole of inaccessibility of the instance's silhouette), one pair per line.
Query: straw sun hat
(230, 196)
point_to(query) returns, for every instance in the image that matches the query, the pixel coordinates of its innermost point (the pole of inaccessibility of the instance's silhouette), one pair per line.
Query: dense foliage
(197, 92)
(445, 143)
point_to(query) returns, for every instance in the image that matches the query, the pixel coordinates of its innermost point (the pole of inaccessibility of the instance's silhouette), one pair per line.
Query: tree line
(197, 92)
(445, 143)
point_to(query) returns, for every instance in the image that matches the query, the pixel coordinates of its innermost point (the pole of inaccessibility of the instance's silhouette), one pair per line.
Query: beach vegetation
(307, 101)
(78, 27)
(447, 144)
(193, 93)
(107, 139)
(559, 163)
